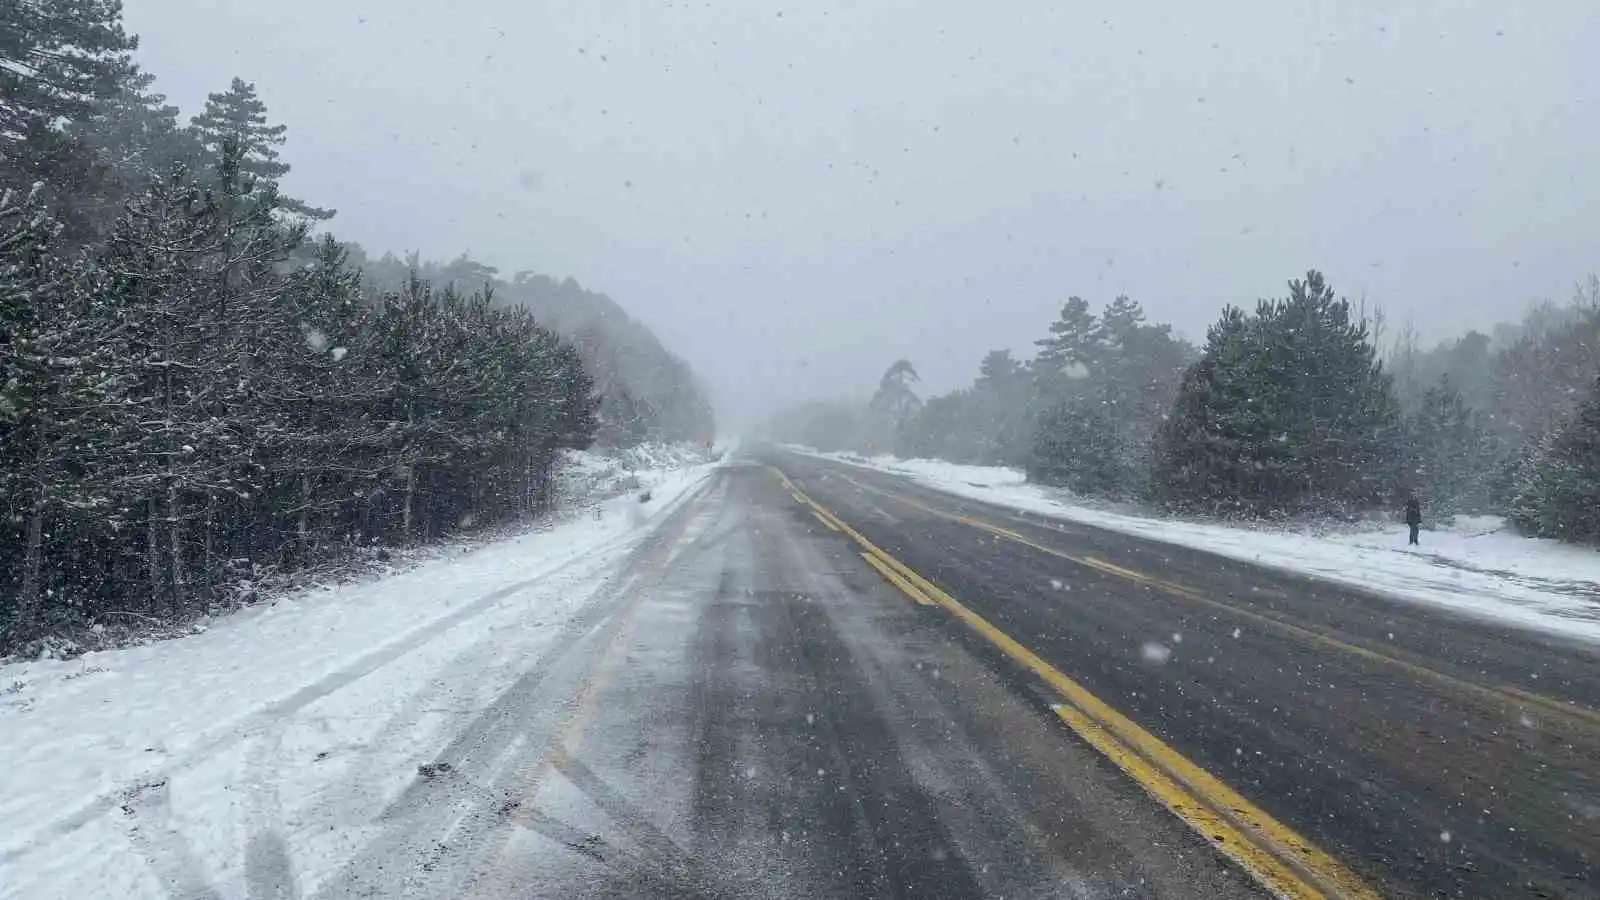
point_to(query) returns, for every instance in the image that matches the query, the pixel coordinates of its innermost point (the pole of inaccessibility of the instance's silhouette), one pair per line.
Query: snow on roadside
(372, 670)
(1475, 566)
(587, 476)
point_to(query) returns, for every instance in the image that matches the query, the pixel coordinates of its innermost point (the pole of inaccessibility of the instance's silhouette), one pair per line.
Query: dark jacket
(1413, 512)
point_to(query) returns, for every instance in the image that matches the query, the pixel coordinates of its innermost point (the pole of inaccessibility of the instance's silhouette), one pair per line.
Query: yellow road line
(1498, 695)
(896, 579)
(1213, 826)
(831, 526)
(1495, 695)
(1280, 859)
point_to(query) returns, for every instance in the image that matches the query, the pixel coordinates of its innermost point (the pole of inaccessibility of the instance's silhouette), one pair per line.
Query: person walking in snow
(1414, 516)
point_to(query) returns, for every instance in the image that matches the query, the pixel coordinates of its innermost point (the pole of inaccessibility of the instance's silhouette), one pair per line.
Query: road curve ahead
(1374, 747)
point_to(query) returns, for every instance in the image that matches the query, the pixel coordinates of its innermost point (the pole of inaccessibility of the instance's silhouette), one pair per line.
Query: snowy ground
(143, 771)
(1475, 565)
(588, 476)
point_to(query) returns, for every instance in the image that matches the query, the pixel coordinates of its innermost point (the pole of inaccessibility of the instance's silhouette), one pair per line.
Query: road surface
(815, 680)
(1431, 755)
(754, 711)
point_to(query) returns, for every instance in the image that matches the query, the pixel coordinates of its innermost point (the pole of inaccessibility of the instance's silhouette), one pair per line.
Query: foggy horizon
(793, 198)
(731, 554)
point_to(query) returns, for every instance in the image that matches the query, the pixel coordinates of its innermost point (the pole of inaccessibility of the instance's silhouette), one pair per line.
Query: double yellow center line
(1496, 696)
(1281, 860)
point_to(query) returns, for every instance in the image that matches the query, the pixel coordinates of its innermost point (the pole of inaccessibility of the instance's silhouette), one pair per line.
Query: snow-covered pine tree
(1070, 352)
(893, 406)
(237, 118)
(1003, 394)
(133, 137)
(1449, 452)
(1076, 446)
(194, 272)
(315, 439)
(1559, 492)
(1197, 460)
(1100, 413)
(157, 265)
(57, 59)
(1287, 412)
(46, 385)
(193, 393)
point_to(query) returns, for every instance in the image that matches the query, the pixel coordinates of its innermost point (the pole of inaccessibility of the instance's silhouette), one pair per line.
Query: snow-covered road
(720, 700)
(245, 760)
(786, 677)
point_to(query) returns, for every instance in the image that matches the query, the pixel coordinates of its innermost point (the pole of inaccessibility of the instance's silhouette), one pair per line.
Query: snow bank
(373, 674)
(586, 476)
(1476, 565)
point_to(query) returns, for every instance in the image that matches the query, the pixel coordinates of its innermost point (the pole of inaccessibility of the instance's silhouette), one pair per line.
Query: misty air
(748, 450)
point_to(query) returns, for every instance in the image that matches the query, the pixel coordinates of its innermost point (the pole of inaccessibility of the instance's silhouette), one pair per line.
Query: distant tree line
(1506, 421)
(197, 394)
(647, 393)
(1287, 410)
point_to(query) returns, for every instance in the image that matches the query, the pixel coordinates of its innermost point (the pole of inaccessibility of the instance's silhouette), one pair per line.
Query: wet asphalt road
(757, 713)
(751, 710)
(1436, 755)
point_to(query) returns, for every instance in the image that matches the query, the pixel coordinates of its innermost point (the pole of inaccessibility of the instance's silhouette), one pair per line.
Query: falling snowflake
(1155, 653)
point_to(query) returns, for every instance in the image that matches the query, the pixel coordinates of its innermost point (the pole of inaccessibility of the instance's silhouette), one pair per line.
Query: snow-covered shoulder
(1475, 565)
(587, 476)
(383, 667)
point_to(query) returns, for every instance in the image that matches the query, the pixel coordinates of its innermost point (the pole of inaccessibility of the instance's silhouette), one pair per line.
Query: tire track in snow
(256, 722)
(431, 829)
(171, 858)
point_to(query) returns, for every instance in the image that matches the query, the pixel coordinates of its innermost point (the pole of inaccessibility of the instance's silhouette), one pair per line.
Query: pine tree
(30, 386)
(236, 118)
(57, 59)
(191, 394)
(312, 434)
(1193, 447)
(1559, 491)
(1070, 350)
(893, 406)
(1288, 411)
(577, 402)
(1121, 319)
(1076, 447)
(133, 138)
(1003, 395)
(1127, 371)
(157, 260)
(1449, 450)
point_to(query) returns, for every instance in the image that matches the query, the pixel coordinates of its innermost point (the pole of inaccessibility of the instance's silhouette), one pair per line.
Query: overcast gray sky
(793, 195)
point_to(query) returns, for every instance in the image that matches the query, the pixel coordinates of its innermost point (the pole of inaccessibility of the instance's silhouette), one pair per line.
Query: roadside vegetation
(1298, 407)
(201, 389)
